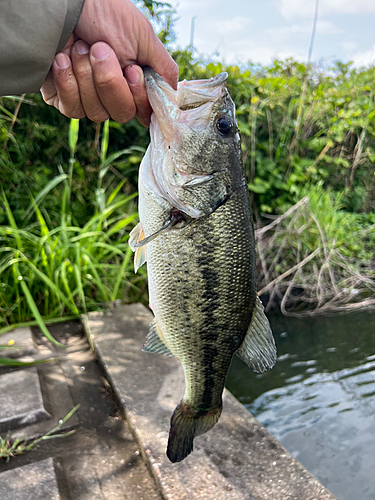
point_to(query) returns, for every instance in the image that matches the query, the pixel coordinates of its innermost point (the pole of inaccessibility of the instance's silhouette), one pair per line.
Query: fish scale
(201, 271)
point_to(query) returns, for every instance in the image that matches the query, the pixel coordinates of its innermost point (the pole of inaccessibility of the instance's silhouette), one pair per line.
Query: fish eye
(224, 125)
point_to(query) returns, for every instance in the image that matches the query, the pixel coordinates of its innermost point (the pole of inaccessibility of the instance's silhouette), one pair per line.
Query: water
(319, 399)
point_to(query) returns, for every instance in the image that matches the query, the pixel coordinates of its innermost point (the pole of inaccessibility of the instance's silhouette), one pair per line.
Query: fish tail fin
(186, 424)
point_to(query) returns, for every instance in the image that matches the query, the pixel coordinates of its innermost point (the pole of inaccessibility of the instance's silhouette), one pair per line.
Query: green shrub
(299, 127)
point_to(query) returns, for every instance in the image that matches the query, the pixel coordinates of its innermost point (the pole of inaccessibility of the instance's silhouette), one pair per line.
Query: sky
(261, 30)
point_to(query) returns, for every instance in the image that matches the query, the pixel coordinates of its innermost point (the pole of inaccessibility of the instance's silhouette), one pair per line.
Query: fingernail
(81, 47)
(132, 75)
(62, 61)
(100, 51)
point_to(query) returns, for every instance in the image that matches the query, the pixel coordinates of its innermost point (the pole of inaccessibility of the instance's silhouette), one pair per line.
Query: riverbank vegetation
(308, 145)
(68, 199)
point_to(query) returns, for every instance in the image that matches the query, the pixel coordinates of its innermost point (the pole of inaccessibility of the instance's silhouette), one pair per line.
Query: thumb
(152, 53)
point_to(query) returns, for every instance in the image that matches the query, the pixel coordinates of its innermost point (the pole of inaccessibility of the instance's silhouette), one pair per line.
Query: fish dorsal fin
(154, 343)
(258, 349)
(140, 257)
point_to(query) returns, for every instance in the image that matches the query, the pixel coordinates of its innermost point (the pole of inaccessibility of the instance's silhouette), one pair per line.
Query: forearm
(32, 32)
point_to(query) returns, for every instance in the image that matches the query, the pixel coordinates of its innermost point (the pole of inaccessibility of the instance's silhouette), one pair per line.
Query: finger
(91, 103)
(111, 84)
(48, 90)
(134, 77)
(68, 100)
(154, 54)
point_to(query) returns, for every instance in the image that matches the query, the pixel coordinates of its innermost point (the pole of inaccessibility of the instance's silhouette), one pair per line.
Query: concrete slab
(19, 343)
(238, 459)
(32, 400)
(21, 401)
(54, 393)
(31, 482)
(100, 460)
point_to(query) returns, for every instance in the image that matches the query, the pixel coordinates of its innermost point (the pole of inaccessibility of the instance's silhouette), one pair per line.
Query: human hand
(106, 79)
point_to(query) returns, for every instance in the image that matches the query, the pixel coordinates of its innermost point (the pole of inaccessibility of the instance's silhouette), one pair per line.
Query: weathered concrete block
(31, 482)
(21, 343)
(21, 401)
(57, 402)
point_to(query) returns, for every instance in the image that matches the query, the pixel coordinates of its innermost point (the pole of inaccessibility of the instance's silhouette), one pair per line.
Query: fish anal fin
(140, 257)
(258, 349)
(154, 342)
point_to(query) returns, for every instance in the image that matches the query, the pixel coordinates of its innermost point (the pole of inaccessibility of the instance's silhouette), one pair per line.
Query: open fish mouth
(189, 94)
(190, 104)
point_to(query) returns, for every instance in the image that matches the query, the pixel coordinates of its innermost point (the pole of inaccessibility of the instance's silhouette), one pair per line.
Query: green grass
(53, 267)
(48, 271)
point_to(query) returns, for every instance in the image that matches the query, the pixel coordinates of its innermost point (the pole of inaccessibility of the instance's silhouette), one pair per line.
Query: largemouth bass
(196, 234)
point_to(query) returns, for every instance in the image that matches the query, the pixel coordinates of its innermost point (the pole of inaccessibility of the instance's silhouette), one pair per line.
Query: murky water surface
(319, 399)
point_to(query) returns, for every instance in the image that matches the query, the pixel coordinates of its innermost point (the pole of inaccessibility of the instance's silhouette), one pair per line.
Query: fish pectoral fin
(140, 257)
(154, 342)
(258, 349)
(146, 239)
(136, 234)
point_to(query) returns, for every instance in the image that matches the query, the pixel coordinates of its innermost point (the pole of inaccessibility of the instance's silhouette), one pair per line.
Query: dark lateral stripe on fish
(210, 296)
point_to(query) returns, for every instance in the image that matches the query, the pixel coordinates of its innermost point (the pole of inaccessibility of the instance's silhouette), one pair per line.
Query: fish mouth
(191, 103)
(189, 94)
(163, 100)
(195, 93)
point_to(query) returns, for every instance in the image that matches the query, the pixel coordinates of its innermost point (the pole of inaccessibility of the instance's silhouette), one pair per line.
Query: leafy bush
(300, 126)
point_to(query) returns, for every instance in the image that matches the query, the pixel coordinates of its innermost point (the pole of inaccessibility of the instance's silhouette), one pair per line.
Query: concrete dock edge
(237, 459)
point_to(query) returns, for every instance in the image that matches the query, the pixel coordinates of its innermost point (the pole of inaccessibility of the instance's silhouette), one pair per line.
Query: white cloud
(241, 31)
(229, 26)
(244, 51)
(362, 58)
(260, 55)
(359, 57)
(303, 30)
(218, 35)
(234, 40)
(349, 46)
(291, 9)
(194, 7)
(327, 28)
